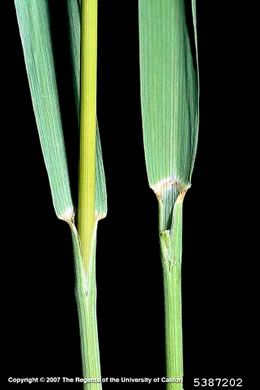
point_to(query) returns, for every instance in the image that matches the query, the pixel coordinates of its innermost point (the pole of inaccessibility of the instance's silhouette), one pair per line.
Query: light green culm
(170, 118)
(34, 26)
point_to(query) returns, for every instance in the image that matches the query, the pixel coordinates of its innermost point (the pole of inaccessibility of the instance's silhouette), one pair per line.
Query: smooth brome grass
(35, 31)
(169, 99)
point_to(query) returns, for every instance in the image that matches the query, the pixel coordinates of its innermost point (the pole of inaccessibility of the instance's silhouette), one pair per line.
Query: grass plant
(35, 30)
(169, 100)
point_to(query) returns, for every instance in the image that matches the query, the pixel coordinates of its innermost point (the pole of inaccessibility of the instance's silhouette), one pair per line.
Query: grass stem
(170, 227)
(86, 255)
(173, 326)
(88, 82)
(86, 295)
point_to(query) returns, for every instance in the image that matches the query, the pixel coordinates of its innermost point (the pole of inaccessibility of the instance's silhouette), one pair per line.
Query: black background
(42, 328)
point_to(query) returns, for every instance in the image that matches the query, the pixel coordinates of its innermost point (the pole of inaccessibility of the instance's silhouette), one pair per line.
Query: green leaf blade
(169, 91)
(34, 26)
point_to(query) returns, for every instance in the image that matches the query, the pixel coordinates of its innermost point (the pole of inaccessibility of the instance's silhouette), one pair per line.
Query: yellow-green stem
(85, 251)
(88, 82)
